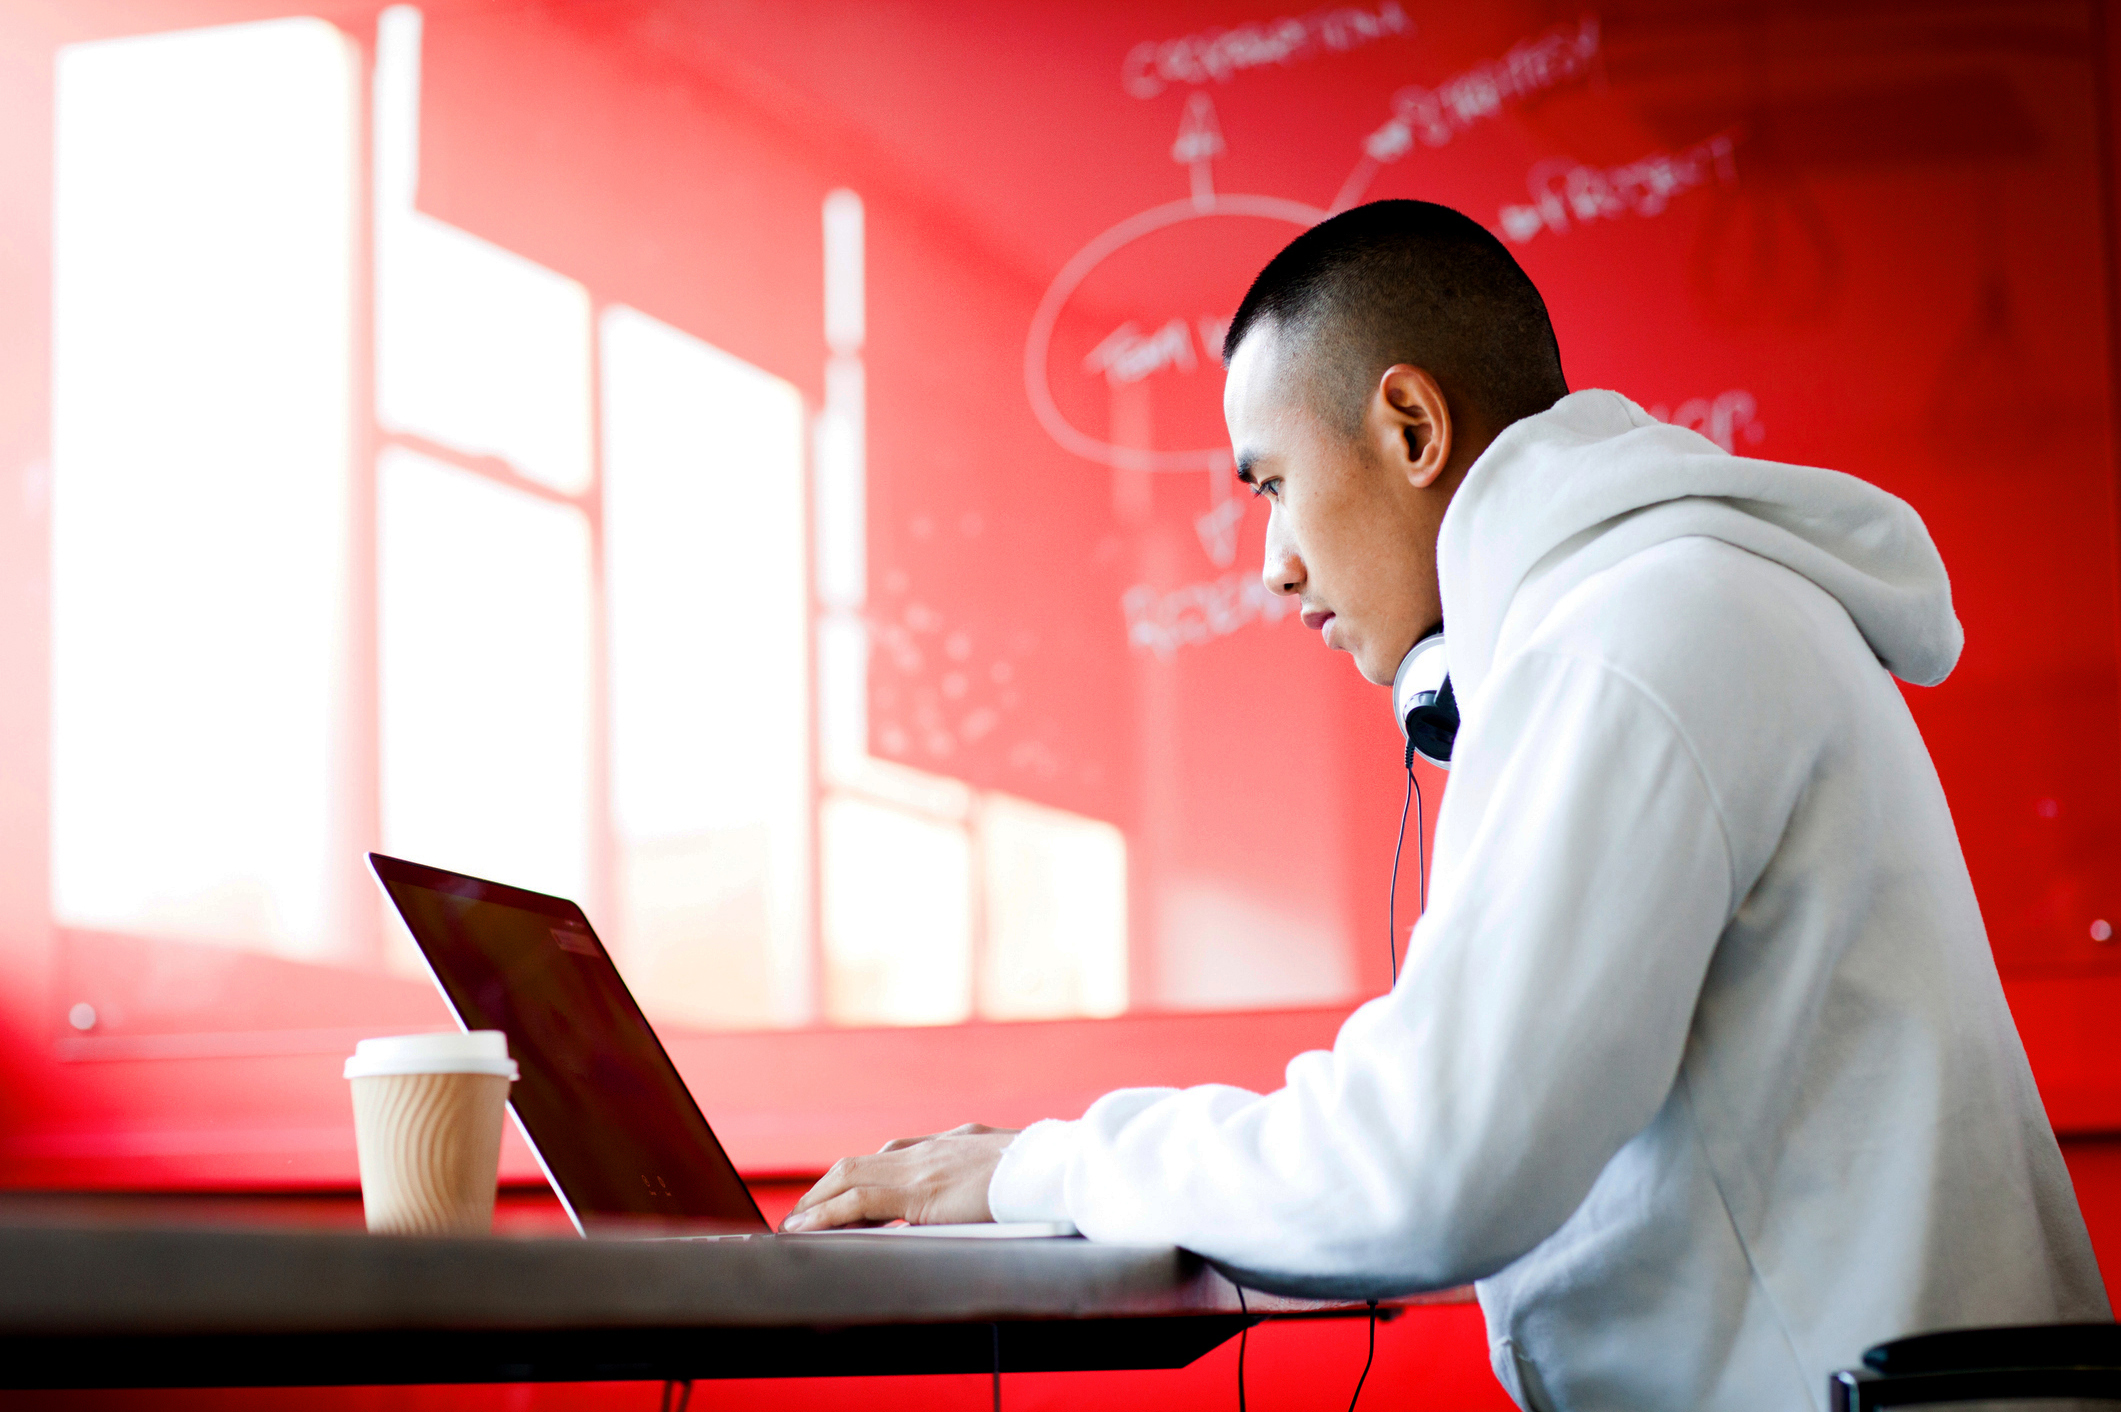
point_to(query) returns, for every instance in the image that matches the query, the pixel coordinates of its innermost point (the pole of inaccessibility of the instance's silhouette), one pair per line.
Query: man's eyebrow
(1245, 462)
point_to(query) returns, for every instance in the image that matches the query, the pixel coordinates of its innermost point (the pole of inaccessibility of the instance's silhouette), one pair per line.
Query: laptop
(613, 1126)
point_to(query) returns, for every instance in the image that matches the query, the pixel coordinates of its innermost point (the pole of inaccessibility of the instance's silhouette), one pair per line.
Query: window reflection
(704, 536)
(591, 662)
(486, 677)
(476, 347)
(1056, 890)
(482, 350)
(200, 439)
(897, 914)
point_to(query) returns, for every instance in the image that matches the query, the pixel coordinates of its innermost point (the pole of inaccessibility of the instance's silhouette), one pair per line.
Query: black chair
(1972, 1365)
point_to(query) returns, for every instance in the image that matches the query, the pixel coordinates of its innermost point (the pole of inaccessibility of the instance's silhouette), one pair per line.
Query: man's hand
(940, 1179)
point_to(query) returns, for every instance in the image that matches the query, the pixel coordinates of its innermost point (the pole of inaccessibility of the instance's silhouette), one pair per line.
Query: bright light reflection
(200, 416)
(486, 642)
(482, 351)
(477, 347)
(704, 535)
(1056, 894)
(898, 916)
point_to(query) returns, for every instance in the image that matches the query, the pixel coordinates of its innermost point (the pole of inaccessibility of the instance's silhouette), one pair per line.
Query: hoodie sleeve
(1583, 878)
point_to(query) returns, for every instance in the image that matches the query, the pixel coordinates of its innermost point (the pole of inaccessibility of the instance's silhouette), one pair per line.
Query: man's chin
(1373, 673)
(1361, 656)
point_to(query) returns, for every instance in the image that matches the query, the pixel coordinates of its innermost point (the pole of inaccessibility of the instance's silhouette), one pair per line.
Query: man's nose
(1283, 571)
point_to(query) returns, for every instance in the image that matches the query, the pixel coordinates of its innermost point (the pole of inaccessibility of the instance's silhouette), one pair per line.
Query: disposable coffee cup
(427, 1123)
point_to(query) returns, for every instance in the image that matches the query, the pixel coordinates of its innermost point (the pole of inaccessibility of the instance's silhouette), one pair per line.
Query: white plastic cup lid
(469, 1052)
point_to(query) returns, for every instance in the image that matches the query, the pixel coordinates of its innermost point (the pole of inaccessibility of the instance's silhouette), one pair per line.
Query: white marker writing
(1219, 55)
(1199, 612)
(1562, 189)
(1723, 419)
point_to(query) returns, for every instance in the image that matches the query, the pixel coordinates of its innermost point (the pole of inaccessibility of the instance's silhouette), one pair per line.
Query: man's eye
(1268, 487)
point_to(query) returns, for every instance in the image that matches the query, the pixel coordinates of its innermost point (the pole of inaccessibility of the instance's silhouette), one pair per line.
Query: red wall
(1909, 275)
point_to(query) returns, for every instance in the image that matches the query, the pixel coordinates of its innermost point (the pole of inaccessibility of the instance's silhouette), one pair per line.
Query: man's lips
(1316, 619)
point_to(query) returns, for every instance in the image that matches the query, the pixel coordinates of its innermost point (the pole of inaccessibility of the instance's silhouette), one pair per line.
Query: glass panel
(1813, 236)
(201, 277)
(1052, 694)
(487, 677)
(1055, 887)
(477, 347)
(482, 350)
(704, 536)
(897, 916)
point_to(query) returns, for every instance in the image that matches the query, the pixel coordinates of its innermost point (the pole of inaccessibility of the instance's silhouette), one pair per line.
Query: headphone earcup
(1432, 726)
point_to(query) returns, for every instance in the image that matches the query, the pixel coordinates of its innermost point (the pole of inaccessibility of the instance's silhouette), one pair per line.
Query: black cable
(1421, 860)
(1368, 1359)
(997, 1366)
(670, 1390)
(1421, 856)
(1243, 1330)
(1392, 893)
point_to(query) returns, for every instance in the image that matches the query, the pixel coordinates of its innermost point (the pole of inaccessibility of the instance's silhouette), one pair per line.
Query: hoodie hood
(1579, 487)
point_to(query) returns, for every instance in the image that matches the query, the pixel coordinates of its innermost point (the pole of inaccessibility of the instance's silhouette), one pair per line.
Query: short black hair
(1408, 282)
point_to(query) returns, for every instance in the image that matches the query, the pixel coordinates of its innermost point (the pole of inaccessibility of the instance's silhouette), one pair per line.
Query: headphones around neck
(1423, 704)
(1427, 712)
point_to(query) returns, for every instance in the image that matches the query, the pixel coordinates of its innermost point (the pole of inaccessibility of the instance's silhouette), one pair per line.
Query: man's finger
(857, 1206)
(841, 1176)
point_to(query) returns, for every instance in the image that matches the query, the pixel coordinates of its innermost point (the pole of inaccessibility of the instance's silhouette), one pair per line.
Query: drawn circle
(1038, 342)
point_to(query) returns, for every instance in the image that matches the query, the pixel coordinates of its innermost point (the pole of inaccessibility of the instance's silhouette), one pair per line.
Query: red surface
(1908, 277)
(171, 1105)
(1840, 282)
(1912, 231)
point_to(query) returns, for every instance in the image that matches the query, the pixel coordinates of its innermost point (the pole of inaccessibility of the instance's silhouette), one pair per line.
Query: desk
(99, 1305)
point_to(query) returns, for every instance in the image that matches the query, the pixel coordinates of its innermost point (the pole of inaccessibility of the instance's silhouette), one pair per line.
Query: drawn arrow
(1200, 141)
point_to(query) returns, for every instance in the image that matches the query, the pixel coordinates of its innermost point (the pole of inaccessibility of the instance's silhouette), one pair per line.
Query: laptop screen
(598, 1096)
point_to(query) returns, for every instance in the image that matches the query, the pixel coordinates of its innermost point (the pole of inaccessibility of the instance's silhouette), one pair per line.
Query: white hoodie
(1699, 1063)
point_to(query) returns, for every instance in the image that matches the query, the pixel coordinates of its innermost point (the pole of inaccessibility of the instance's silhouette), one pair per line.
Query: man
(1699, 1064)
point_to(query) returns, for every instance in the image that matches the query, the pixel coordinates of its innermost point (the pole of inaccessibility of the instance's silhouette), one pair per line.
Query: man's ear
(1412, 423)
